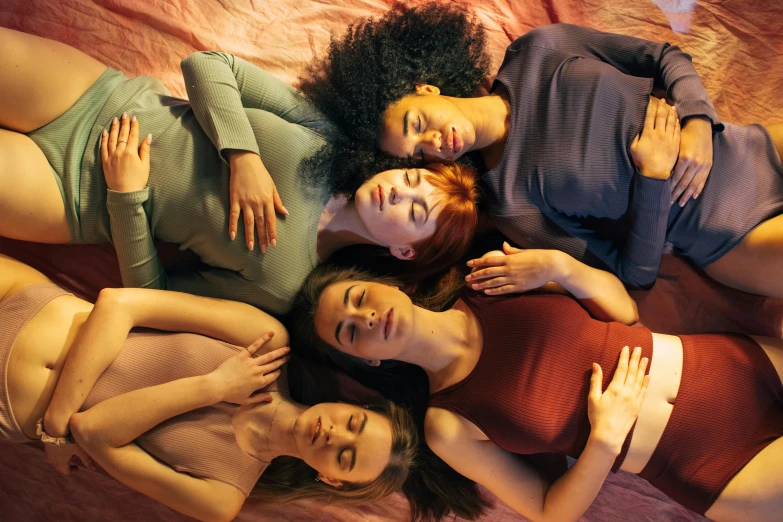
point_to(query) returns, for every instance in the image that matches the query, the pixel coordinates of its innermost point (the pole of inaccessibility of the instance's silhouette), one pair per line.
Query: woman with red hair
(242, 145)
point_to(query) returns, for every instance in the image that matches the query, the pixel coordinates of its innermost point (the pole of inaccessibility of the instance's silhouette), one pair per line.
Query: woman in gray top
(53, 186)
(556, 135)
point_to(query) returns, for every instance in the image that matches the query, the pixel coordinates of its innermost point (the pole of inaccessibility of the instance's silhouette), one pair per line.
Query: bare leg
(755, 264)
(40, 79)
(31, 206)
(756, 492)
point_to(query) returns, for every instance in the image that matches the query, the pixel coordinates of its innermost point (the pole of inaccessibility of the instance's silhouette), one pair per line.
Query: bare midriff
(665, 374)
(38, 356)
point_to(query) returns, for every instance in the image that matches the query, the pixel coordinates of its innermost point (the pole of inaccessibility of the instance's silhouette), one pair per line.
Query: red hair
(456, 223)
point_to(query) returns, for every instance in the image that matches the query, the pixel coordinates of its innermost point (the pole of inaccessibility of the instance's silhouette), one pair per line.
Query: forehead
(373, 449)
(329, 309)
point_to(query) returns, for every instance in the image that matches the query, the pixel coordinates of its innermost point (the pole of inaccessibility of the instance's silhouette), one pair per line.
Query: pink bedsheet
(737, 48)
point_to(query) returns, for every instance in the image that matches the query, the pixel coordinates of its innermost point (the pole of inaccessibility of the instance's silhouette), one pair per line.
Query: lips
(316, 430)
(456, 141)
(381, 197)
(388, 323)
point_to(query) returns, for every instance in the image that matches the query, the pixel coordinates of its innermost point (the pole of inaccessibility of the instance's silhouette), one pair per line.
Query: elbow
(224, 511)
(632, 313)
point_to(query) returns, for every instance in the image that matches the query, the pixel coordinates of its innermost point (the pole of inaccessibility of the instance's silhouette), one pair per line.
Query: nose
(339, 436)
(401, 194)
(432, 142)
(366, 317)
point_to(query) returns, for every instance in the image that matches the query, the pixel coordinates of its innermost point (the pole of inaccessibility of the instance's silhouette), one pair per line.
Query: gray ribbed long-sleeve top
(233, 105)
(566, 178)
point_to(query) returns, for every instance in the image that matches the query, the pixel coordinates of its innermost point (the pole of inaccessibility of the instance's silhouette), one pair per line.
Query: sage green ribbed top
(233, 105)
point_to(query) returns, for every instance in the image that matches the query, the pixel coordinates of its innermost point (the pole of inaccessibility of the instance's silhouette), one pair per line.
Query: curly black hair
(379, 61)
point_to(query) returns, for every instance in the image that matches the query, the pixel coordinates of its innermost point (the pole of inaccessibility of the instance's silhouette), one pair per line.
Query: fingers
(508, 249)
(270, 233)
(505, 289)
(258, 397)
(692, 186)
(269, 357)
(261, 341)
(105, 146)
(268, 378)
(596, 382)
(661, 114)
(495, 282)
(250, 226)
(486, 273)
(671, 119)
(684, 183)
(622, 367)
(633, 367)
(279, 204)
(124, 134)
(114, 130)
(649, 116)
(133, 135)
(266, 369)
(487, 261)
(233, 218)
(144, 150)
(641, 374)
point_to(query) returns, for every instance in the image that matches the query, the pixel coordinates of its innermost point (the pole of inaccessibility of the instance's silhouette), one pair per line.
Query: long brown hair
(288, 479)
(433, 488)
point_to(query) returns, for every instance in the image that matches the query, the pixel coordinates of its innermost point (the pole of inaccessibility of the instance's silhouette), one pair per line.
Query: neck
(266, 431)
(340, 226)
(443, 341)
(490, 118)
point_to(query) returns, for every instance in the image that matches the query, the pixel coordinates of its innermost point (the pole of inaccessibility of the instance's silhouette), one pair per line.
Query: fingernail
(637, 349)
(114, 121)
(271, 334)
(149, 139)
(285, 211)
(133, 120)
(124, 116)
(263, 248)
(105, 132)
(274, 243)
(250, 246)
(232, 235)
(475, 287)
(470, 263)
(682, 203)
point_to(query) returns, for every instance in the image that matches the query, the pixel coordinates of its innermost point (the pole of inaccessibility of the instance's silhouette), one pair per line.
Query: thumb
(596, 382)
(508, 249)
(144, 150)
(279, 203)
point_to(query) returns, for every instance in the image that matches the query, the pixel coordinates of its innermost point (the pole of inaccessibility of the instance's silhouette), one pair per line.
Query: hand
(126, 167)
(67, 458)
(654, 150)
(238, 378)
(613, 412)
(512, 270)
(253, 193)
(695, 161)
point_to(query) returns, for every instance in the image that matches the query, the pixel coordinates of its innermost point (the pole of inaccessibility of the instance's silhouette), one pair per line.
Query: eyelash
(353, 327)
(421, 151)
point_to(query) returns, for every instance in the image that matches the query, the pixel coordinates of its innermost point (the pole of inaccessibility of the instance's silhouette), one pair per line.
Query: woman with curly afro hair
(579, 157)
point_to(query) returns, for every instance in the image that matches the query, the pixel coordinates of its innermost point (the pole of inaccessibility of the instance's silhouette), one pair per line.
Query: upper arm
(203, 499)
(505, 474)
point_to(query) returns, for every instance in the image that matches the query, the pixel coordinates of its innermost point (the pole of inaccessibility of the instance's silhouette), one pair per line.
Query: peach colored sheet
(737, 48)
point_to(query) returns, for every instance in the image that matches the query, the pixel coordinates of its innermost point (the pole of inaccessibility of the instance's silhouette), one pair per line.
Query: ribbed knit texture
(16, 311)
(528, 391)
(201, 442)
(234, 105)
(729, 407)
(567, 180)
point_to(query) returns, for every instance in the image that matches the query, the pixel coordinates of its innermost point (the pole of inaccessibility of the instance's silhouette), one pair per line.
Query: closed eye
(353, 334)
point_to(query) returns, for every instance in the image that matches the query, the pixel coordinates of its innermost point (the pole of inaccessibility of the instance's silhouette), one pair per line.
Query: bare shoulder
(444, 429)
(15, 275)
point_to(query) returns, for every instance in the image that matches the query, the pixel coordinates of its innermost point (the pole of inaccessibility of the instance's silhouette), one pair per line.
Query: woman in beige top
(158, 408)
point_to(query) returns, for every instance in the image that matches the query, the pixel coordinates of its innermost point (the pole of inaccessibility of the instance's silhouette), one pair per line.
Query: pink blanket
(737, 49)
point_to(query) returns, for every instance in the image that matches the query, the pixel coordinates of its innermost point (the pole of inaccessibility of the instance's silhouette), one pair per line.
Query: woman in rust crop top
(510, 375)
(157, 409)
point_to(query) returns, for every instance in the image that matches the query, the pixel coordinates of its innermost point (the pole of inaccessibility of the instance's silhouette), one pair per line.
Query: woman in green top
(237, 147)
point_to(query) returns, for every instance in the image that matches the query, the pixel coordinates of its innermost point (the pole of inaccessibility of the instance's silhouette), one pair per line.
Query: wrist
(653, 173)
(606, 445)
(563, 267)
(239, 156)
(212, 388)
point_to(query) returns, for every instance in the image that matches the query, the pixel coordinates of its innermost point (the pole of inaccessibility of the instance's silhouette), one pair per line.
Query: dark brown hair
(288, 479)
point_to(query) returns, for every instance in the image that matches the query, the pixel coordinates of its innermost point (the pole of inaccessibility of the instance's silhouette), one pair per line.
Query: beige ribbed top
(233, 105)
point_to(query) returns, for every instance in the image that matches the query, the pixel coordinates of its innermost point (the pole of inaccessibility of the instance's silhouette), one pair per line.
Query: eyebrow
(405, 123)
(340, 324)
(364, 423)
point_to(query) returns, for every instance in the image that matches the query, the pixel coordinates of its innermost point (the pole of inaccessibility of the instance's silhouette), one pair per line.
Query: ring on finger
(121, 141)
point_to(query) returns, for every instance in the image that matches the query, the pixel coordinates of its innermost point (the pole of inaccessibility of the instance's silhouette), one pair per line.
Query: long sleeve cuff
(132, 238)
(685, 88)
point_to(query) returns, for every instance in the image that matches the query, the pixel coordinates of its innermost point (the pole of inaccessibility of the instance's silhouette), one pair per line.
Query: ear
(332, 482)
(405, 253)
(424, 88)
(372, 362)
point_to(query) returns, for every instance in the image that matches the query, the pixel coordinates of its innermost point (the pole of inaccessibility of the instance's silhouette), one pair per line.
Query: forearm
(678, 76)
(600, 292)
(123, 418)
(99, 342)
(572, 494)
(140, 266)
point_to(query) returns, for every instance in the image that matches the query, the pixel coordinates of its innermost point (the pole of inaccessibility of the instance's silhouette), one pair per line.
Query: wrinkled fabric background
(737, 48)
